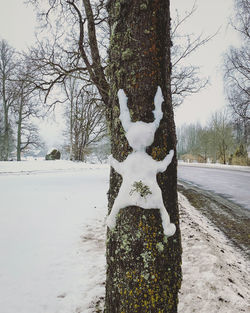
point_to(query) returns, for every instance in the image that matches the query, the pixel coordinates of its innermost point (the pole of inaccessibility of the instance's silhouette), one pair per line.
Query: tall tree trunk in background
(143, 268)
(6, 123)
(19, 130)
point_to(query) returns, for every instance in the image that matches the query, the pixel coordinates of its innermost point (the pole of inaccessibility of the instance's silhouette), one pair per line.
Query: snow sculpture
(139, 186)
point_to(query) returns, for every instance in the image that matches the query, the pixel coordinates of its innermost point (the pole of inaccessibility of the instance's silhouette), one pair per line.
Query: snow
(47, 263)
(41, 165)
(215, 274)
(216, 165)
(139, 169)
(125, 115)
(52, 243)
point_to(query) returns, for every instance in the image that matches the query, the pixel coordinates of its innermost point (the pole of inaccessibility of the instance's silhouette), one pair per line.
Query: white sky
(209, 17)
(17, 23)
(17, 26)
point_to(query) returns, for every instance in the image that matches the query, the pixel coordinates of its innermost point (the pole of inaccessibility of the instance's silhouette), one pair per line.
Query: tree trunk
(19, 132)
(143, 266)
(6, 124)
(6, 136)
(18, 150)
(71, 123)
(246, 132)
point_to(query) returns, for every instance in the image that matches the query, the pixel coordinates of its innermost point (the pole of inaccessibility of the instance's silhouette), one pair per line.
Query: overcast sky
(17, 26)
(210, 16)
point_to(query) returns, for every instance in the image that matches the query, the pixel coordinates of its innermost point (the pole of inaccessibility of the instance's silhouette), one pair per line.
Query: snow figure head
(139, 134)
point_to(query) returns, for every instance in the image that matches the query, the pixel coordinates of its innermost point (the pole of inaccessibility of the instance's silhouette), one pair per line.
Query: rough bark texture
(143, 267)
(19, 130)
(6, 138)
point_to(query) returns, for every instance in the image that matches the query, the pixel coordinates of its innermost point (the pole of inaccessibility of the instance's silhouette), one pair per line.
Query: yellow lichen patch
(159, 153)
(149, 245)
(129, 275)
(156, 151)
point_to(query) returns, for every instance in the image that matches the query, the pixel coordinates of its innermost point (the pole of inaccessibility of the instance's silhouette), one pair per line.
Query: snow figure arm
(162, 165)
(124, 111)
(116, 165)
(158, 111)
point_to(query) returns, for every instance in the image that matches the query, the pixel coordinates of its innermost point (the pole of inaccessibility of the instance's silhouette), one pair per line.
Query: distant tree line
(85, 119)
(237, 71)
(220, 140)
(18, 104)
(21, 100)
(225, 137)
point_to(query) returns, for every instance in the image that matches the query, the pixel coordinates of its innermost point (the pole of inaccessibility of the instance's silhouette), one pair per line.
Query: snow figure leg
(111, 219)
(168, 228)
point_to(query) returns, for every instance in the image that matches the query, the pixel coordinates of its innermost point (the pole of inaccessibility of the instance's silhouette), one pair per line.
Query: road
(233, 185)
(223, 196)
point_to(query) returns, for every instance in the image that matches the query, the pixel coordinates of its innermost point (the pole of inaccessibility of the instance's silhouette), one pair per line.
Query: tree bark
(143, 266)
(19, 131)
(6, 121)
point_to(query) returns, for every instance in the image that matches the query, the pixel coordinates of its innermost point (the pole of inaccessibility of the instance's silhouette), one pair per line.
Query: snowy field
(52, 243)
(41, 166)
(47, 265)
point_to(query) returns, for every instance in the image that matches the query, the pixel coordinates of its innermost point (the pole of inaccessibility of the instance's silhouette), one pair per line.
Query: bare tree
(216, 140)
(221, 134)
(204, 143)
(7, 92)
(84, 54)
(86, 118)
(29, 139)
(25, 106)
(185, 78)
(193, 140)
(102, 150)
(2, 148)
(241, 20)
(237, 69)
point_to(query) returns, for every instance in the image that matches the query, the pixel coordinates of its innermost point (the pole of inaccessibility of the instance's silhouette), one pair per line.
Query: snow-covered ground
(216, 165)
(52, 243)
(215, 274)
(51, 257)
(40, 165)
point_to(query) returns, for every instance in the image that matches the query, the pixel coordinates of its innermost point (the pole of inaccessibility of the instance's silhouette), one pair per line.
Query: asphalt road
(233, 185)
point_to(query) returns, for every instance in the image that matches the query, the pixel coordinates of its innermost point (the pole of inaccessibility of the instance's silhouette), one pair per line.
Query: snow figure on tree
(139, 186)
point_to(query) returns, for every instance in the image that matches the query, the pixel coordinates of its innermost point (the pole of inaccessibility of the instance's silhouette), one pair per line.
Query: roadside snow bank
(34, 166)
(215, 274)
(217, 165)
